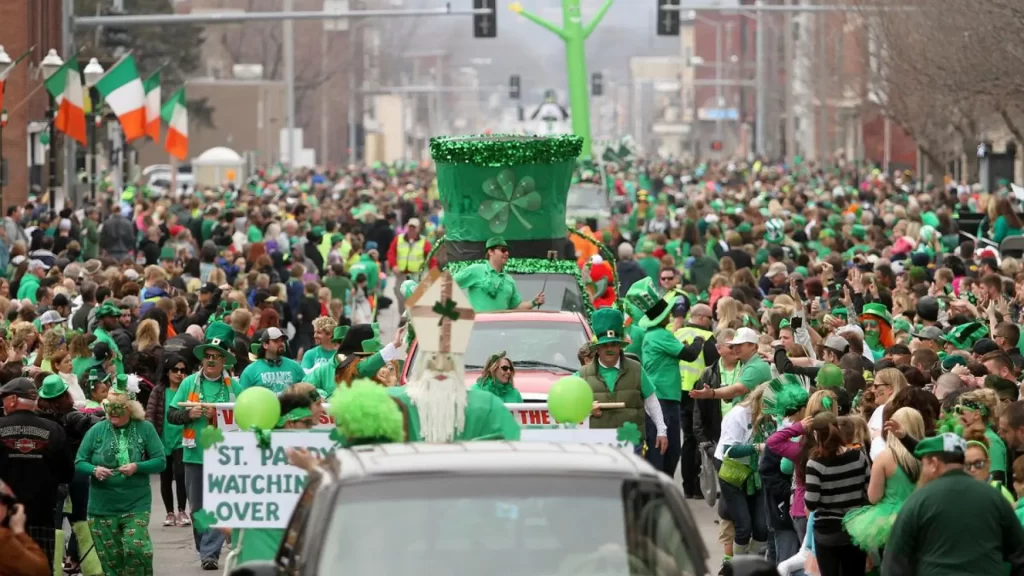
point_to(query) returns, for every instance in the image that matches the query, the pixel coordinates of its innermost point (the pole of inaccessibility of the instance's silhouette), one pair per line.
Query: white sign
(576, 435)
(245, 486)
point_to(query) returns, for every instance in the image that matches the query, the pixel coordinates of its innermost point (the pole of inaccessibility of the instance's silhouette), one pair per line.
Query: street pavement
(175, 553)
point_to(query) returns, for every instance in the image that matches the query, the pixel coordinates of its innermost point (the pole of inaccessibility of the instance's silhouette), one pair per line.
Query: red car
(541, 344)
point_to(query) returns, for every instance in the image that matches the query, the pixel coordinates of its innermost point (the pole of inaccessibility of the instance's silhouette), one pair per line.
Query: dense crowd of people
(818, 350)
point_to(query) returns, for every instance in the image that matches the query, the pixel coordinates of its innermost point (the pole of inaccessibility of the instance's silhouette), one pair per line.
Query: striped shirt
(834, 486)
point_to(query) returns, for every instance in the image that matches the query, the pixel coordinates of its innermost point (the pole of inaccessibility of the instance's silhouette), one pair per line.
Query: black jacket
(75, 425)
(80, 319)
(629, 272)
(707, 416)
(35, 458)
(776, 490)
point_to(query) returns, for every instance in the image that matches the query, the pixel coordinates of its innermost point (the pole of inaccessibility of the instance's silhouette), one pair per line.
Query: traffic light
(513, 87)
(716, 145)
(485, 25)
(668, 17)
(116, 37)
(596, 84)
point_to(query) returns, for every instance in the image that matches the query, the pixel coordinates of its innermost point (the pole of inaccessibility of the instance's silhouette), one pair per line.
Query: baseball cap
(776, 269)
(984, 346)
(413, 222)
(37, 265)
(929, 333)
(20, 387)
(744, 336)
(837, 343)
(272, 333)
(263, 296)
(209, 288)
(942, 443)
(51, 317)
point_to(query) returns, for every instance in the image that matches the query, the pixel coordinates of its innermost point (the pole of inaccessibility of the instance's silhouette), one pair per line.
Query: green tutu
(869, 526)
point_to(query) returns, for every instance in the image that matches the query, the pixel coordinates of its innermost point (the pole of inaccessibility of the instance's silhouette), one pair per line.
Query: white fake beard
(440, 398)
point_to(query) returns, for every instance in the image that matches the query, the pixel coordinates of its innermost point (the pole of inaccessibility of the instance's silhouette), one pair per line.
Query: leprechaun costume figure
(877, 325)
(119, 454)
(212, 384)
(613, 377)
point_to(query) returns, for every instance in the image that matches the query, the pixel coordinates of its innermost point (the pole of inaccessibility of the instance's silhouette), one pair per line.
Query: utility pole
(289, 75)
(787, 43)
(759, 92)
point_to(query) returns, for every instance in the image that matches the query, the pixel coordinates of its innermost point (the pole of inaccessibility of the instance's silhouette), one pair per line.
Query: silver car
(490, 508)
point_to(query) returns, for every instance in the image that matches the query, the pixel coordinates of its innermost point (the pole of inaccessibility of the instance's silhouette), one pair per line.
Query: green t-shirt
(636, 336)
(661, 363)
(339, 286)
(275, 376)
(206, 229)
(755, 372)
(258, 544)
(488, 290)
(120, 494)
(315, 357)
(486, 417)
(652, 266)
(171, 432)
(997, 454)
(211, 391)
(611, 375)
(368, 266)
(255, 234)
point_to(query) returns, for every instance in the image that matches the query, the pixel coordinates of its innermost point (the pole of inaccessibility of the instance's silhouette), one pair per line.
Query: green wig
(366, 414)
(784, 396)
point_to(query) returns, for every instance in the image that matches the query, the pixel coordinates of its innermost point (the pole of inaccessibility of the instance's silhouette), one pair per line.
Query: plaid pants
(46, 537)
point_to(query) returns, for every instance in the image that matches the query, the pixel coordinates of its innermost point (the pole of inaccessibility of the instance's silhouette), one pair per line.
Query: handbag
(734, 472)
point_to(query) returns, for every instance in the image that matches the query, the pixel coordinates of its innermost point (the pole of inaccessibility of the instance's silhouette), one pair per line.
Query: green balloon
(258, 408)
(570, 400)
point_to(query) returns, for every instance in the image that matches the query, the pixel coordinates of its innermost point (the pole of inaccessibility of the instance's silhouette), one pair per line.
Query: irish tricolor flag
(121, 88)
(6, 73)
(175, 114)
(152, 88)
(66, 88)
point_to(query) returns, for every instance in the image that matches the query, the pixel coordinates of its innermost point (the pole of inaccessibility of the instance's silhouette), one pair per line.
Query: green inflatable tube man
(574, 33)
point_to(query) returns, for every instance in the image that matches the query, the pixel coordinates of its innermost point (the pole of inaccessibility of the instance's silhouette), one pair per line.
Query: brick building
(25, 23)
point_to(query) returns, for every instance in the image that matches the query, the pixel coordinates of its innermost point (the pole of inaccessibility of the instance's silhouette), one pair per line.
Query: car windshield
(535, 344)
(501, 526)
(561, 291)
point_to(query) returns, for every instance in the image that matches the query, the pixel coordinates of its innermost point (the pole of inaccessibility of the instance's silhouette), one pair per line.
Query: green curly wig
(366, 413)
(784, 396)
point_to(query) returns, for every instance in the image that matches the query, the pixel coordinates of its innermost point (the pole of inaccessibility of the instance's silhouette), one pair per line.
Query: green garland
(504, 149)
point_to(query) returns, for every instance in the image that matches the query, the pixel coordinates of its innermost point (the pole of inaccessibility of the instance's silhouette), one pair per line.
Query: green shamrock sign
(447, 310)
(508, 196)
(203, 520)
(629, 432)
(209, 436)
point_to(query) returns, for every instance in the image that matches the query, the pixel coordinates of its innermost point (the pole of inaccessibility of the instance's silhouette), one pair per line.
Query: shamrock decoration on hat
(219, 337)
(643, 295)
(108, 309)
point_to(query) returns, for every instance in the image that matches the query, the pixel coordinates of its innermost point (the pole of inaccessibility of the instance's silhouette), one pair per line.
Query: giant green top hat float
(514, 187)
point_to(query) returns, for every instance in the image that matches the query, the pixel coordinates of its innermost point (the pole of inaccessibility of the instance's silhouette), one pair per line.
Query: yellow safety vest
(410, 258)
(690, 371)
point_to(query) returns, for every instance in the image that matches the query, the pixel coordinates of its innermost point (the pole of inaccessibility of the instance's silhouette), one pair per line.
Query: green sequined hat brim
(505, 149)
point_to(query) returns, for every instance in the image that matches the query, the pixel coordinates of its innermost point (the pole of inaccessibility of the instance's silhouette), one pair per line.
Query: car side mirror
(748, 566)
(256, 568)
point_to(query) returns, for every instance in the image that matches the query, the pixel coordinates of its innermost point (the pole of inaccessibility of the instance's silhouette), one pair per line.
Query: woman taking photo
(497, 379)
(172, 479)
(120, 453)
(835, 481)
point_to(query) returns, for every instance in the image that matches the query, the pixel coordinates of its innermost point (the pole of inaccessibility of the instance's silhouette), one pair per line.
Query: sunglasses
(179, 370)
(503, 250)
(667, 278)
(976, 464)
(213, 357)
(505, 368)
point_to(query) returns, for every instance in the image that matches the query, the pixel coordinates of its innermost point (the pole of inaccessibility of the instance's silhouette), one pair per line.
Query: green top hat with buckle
(339, 334)
(878, 311)
(53, 386)
(219, 337)
(512, 186)
(643, 295)
(608, 326)
(108, 309)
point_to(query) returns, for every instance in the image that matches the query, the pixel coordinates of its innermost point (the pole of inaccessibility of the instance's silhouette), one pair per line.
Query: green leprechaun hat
(53, 386)
(608, 326)
(511, 186)
(643, 295)
(219, 337)
(878, 311)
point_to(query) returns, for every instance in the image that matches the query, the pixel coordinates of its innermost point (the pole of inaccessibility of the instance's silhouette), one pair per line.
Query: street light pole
(3, 163)
(93, 72)
(759, 92)
(49, 65)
